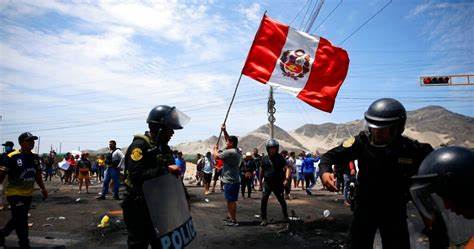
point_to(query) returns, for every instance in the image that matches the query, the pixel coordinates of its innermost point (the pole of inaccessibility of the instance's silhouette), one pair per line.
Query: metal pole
(271, 111)
(230, 106)
(60, 147)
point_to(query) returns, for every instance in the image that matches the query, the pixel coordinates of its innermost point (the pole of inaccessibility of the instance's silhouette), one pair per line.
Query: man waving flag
(308, 66)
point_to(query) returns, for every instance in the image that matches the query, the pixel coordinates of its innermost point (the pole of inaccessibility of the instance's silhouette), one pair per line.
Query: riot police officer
(443, 193)
(148, 156)
(387, 160)
(276, 176)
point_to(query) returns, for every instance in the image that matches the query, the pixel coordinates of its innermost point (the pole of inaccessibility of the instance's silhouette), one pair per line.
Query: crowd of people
(438, 185)
(303, 167)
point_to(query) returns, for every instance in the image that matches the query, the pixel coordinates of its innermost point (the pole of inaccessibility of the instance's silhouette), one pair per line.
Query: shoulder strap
(146, 138)
(13, 153)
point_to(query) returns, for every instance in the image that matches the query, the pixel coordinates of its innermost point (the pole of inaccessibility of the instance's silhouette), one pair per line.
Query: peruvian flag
(308, 66)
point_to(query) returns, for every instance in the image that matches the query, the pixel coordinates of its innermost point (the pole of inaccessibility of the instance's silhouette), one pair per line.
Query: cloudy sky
(82, 72)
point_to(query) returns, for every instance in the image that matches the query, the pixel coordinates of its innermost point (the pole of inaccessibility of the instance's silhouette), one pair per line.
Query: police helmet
(450, 172)
(272, 143)
(386, 112)
(166, 116)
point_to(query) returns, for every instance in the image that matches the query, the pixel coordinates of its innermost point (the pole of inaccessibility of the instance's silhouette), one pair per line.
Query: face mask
(431, 206)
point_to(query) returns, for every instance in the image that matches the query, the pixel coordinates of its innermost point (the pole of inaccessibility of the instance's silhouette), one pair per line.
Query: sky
(79, 73)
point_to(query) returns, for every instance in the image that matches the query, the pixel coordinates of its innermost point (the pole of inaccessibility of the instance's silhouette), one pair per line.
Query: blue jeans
(347, 179)
(111, 174)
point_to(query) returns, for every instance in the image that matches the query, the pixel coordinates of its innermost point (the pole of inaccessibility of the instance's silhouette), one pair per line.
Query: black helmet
(442, 192)
(386, 112)
(386, 115)
(272, 143)
(167, 116)
(450, 171)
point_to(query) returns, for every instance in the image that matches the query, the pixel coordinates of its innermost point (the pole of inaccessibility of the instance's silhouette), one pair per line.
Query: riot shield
(169, 211)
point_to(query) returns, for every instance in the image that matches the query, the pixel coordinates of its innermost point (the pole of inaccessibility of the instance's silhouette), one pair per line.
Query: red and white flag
(308, 66)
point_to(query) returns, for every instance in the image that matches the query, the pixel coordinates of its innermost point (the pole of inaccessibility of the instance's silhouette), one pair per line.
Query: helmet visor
(176, 119)
(381, 136)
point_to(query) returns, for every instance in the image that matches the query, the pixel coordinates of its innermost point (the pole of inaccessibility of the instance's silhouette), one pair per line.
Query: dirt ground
(82, 213)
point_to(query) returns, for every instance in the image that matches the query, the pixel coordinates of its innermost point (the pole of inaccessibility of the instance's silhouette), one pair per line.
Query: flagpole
(230, 106)
(235, 92)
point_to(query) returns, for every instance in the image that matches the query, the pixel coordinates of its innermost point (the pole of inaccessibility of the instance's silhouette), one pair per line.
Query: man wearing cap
(8, 147)
(23, 169)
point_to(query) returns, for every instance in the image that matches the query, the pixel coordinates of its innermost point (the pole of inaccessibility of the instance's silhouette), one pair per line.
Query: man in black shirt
(276, 174)
(247, 168)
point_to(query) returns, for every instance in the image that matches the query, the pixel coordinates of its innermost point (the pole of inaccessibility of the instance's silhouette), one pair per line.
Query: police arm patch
(349, 142)
(137, 154)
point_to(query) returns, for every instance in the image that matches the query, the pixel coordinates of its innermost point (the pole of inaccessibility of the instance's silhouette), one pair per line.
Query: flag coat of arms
(307, 66)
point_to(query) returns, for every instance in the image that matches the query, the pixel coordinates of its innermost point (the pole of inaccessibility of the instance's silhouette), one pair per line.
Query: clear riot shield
(169, 211)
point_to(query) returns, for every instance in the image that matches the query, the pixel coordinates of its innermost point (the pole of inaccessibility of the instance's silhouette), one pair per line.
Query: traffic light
(435, 80)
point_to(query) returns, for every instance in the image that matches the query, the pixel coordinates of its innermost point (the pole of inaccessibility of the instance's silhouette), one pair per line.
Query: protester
(199, 166)
(113, 160)
(308, 170)
(7, 148)
(231, 158)
(299, 171)
(218, 174)
(257, 159)
(181, 163)
(290, 163)
(275, 176)
(247, 169)
(100, 167)
(84, 167)
(75, 170)
(72, 165)
(208, 163)
(22, 167)
(49, 162)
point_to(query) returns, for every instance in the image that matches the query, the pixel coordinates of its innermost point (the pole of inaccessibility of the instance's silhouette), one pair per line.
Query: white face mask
(431, 206)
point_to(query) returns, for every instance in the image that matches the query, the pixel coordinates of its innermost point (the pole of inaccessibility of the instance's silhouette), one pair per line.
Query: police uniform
(274, 175)
(382, 187)
(21, 169)
(144, 160)
(273, 168)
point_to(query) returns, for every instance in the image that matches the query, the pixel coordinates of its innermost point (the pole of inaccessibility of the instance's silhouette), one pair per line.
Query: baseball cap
(26, 136)
(8, 144)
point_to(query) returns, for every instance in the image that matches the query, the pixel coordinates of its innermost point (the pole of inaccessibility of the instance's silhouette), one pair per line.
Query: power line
(364, 23)
(330, 13)
(299, 12)
(314, 16)
(305, 14)
(310, 14)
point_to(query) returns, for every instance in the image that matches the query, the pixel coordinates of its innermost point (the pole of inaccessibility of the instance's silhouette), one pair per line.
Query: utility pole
(271, 111)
